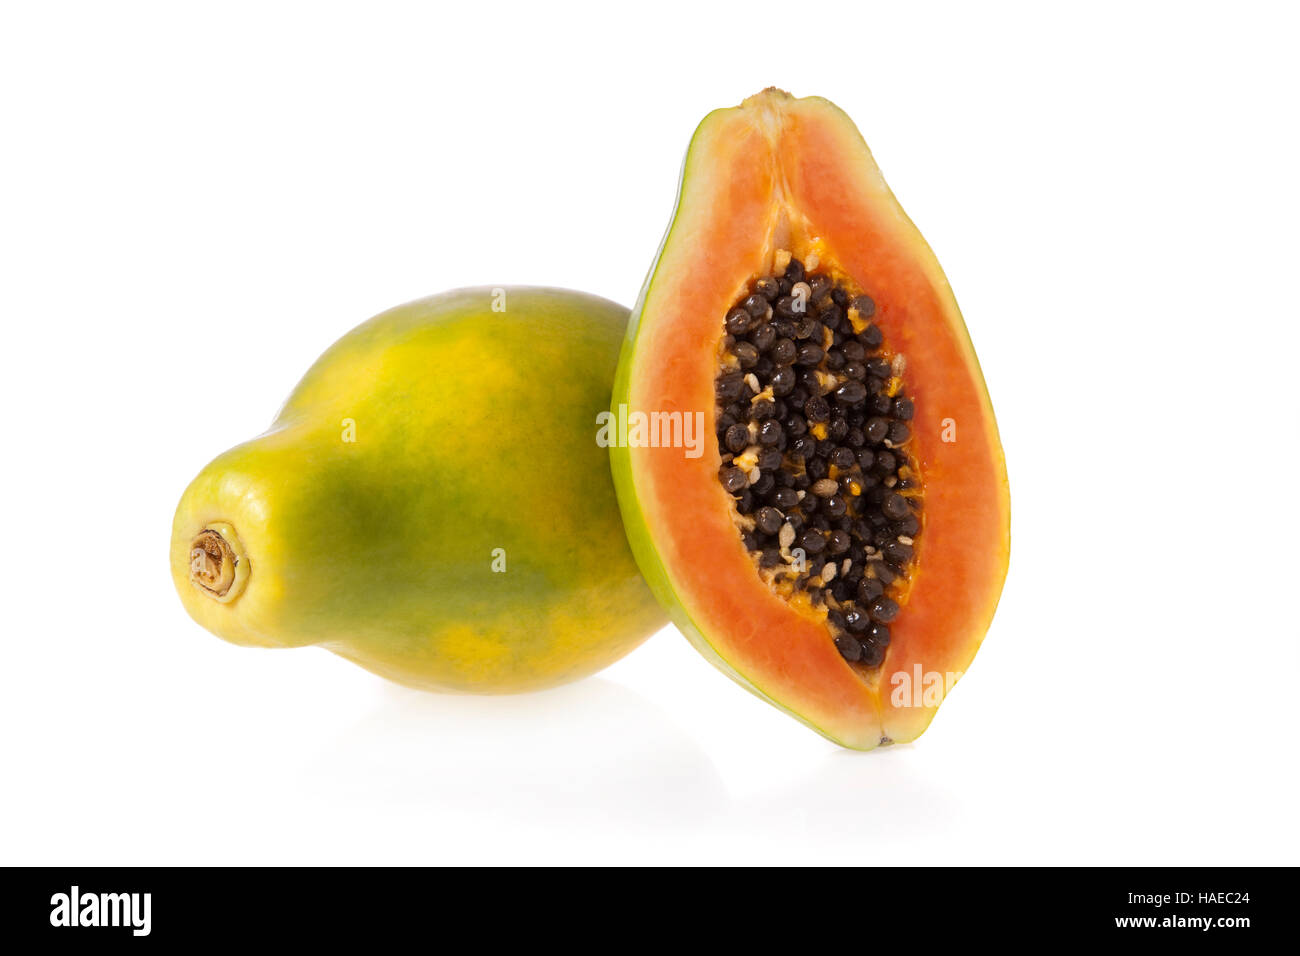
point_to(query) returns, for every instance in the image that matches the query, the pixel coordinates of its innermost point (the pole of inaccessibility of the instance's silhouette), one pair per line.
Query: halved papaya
(841, 546)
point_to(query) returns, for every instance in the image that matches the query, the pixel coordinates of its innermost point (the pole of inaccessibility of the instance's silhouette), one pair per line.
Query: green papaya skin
(431, 502)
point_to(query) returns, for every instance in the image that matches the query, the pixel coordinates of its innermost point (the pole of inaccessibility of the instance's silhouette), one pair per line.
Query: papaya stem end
(218, 566)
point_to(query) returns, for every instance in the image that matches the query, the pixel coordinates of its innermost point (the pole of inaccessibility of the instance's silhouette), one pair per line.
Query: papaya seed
(828, 412)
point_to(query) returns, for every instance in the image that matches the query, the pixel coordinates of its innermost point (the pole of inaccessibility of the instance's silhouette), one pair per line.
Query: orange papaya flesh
(777, 176)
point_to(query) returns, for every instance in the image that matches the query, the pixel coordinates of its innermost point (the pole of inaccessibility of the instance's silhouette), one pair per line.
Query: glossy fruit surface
(431, 502)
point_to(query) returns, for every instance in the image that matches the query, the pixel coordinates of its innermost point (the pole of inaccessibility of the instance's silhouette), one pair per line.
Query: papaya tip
(218, 566)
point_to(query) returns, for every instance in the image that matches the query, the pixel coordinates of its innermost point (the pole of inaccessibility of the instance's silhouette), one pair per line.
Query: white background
(223, 190)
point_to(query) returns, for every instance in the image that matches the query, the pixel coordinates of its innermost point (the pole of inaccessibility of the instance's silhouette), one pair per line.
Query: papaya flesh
(430, 502)
(879, 398)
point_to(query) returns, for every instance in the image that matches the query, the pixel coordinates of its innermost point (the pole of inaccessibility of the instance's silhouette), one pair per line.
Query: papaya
(430, 502)
(840, 546)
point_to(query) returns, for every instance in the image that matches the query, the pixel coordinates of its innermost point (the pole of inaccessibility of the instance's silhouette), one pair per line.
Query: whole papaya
(431, 502)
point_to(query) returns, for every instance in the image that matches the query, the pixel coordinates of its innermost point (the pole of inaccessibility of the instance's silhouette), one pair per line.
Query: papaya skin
(430, 444)
(780, 173)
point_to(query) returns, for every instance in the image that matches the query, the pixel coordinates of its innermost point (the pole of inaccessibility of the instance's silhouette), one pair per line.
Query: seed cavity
(812, 427)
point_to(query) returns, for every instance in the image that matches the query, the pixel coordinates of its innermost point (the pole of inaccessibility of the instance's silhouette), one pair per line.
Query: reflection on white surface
(592, 748)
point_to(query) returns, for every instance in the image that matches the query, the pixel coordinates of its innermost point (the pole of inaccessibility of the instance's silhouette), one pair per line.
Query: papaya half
(840, 545)
(430, 502)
